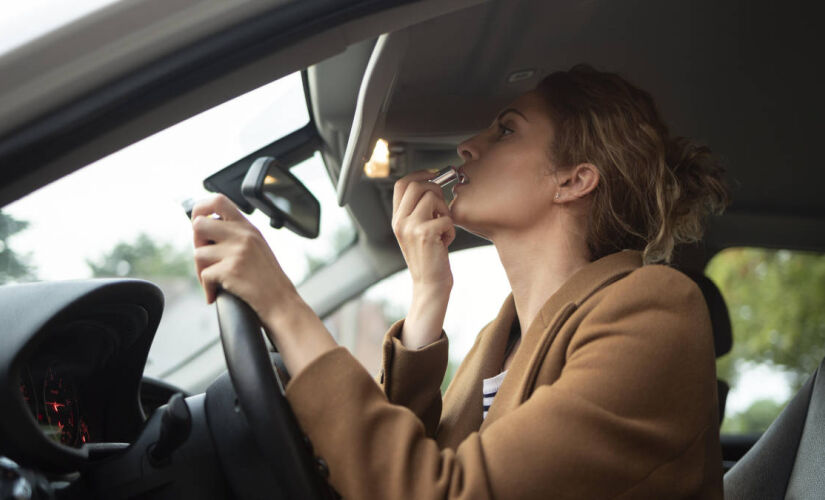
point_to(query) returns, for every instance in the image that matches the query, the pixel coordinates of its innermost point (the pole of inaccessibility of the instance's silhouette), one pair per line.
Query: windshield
(122, 216)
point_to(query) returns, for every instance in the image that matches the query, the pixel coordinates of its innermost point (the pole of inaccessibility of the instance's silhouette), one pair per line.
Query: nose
(468, 150)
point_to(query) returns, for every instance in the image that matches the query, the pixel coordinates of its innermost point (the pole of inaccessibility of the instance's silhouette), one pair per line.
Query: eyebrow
(511, 110)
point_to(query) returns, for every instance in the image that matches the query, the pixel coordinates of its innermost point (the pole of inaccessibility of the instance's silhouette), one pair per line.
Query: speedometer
(63, 422)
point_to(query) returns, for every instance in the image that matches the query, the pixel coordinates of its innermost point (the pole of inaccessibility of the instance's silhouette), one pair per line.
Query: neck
(538, 262)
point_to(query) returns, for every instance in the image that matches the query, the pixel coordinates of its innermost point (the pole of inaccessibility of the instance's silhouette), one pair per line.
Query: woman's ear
(578, 182)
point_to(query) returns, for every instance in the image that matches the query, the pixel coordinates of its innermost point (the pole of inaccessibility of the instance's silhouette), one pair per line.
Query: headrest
(719, 318)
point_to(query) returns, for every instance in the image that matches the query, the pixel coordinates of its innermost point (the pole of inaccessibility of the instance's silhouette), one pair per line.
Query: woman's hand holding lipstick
(424, 229)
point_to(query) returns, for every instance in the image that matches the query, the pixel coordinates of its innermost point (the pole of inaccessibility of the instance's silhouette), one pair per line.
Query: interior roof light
(378, 165)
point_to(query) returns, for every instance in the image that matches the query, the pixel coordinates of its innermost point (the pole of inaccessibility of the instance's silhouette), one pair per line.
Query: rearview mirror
(282, 197)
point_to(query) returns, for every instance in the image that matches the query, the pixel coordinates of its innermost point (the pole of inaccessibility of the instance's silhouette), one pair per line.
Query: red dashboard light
(54, 405)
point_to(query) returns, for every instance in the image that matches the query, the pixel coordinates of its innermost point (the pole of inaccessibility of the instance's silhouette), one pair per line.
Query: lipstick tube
(446, 176)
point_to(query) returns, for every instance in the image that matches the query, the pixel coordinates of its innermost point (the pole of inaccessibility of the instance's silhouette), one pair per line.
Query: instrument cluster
(72, 354)
(52, 396)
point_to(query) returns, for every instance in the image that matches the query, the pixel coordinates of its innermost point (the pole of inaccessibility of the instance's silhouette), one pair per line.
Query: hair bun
(701, 189)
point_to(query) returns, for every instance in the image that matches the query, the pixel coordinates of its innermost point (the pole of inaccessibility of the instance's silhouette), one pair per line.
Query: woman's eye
(503, 131)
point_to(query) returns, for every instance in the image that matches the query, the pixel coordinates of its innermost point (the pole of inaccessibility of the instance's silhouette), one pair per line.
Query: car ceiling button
(521, 75)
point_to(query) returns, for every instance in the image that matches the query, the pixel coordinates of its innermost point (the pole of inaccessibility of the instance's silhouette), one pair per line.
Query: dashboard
(71, 361)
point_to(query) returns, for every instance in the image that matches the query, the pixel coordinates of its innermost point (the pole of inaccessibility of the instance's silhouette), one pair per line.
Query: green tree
(144, 258)
(776, 300)
(13, 266)
(755, 419)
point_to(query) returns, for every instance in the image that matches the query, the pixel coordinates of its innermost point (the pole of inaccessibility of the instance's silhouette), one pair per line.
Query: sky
(140, 188)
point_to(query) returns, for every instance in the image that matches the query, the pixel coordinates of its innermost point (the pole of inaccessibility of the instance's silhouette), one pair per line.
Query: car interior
(421, 75)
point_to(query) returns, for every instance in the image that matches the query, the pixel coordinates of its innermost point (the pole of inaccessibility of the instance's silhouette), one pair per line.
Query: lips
(462, 176)
(462, 180)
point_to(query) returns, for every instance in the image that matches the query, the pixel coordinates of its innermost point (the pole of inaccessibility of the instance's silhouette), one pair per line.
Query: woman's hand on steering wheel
(231, 254)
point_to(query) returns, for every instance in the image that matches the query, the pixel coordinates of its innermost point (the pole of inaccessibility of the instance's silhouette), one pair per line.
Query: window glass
(122, 215)
(480, 287)
(776, 301)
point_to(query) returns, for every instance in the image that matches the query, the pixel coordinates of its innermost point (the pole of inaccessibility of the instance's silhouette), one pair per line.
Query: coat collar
(578, 288)
(463, 400)
(558, 307)
(585, 282)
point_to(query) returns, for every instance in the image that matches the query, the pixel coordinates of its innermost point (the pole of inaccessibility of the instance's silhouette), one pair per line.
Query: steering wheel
(262, 400)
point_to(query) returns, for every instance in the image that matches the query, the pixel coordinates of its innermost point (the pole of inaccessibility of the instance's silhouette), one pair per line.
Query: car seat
(733, 446)
(788, 461)
(721, 326)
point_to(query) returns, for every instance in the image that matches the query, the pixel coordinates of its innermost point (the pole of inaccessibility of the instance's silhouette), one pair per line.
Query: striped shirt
(490, 389)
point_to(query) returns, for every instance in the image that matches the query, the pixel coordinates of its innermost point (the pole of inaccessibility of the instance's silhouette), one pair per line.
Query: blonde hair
(655, 191)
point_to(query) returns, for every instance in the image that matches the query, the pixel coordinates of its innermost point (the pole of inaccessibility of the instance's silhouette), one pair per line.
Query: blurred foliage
(13, 266)
(776, 300)
(144, 258)
(755, 419)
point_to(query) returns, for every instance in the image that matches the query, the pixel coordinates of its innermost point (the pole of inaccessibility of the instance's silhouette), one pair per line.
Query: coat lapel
(462, 409)
(518, 384)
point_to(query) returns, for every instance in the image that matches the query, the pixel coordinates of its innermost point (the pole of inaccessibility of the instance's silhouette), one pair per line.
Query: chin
(464, 219)
(474, 231)
(456, 210)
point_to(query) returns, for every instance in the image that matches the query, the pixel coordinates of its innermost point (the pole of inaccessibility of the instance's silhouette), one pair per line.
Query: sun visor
(371, 108)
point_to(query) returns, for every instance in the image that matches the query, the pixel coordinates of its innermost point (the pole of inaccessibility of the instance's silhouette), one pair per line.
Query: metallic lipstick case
(448, 175)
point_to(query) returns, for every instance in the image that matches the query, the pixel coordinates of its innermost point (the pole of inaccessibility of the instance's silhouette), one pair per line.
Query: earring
(557, 195)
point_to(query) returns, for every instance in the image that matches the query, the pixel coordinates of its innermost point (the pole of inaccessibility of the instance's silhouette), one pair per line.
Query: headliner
(741, 77)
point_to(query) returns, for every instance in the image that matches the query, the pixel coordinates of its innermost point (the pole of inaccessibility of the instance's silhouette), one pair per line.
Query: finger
(413, 195)
(208, 231)
(448, 236)
(208, 255)
(429, 207)
(401, 185)
(214, 278)
(440, 229)
(210, 282)
(217, 204)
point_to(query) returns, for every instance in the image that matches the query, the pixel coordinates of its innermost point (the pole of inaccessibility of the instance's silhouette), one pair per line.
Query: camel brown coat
(612, 394)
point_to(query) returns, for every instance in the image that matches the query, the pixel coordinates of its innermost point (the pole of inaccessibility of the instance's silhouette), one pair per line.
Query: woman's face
(511, 182)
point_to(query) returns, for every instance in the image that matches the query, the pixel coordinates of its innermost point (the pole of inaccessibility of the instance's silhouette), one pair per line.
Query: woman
(610, 387)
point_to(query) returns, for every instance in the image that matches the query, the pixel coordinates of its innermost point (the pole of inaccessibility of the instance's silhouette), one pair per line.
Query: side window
(480, 286)
(776, 301)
